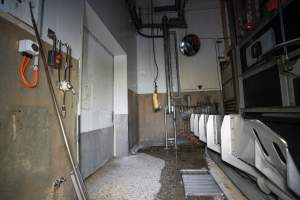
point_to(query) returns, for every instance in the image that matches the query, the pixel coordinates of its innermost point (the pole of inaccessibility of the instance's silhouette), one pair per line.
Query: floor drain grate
(201, 185)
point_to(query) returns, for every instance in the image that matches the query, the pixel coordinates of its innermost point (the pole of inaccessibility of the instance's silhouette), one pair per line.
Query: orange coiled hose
(23, 68)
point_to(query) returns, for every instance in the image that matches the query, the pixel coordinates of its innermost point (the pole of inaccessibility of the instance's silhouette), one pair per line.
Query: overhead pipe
(139, 25)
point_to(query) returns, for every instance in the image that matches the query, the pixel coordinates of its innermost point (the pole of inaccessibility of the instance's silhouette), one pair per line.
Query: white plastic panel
(231, 127)
(213, 129)
(243, 144)
(267, 158)
(202, 127)
(228, 129)
(196, 125)
(293, 175)
(192, 122)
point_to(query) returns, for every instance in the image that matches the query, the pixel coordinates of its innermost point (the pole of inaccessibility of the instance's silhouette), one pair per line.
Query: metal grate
(201, 185)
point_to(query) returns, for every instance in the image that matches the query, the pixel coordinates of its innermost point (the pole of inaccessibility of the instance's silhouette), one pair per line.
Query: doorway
(97, 126)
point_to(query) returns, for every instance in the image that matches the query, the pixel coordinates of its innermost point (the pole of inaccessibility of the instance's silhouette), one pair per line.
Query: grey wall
(203, 19)
(57, 15)
(32, 152)
(115, 15)
(96, 149)
(65, 18)
(97, 132)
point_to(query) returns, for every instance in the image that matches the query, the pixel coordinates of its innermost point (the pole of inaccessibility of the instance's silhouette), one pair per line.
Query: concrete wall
(97, 85)
(133, 120)
(65, 18)
(203, 19)
(115, 16)
(57, 15)
(32, 152)
(97, 131)
(104, 83)
(20, 9)
(96, 149)
(151, 124)
(120, 106)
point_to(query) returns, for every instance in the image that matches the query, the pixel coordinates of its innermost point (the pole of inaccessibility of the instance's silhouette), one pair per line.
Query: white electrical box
(28, 47)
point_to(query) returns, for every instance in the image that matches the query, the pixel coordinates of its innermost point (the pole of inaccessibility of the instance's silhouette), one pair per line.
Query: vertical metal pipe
(167, 60)
(170, 67)
(175, 128)
(166, 127)
(177, 63)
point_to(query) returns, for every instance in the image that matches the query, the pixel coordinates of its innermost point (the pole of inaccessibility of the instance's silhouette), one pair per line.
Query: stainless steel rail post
(166, 128)
(175, 128)
(166, 34)
(177, 63)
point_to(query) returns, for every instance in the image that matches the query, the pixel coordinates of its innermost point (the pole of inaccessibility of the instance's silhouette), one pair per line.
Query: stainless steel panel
(201, 185)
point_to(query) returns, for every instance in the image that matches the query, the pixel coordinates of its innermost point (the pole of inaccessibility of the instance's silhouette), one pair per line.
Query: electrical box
(28, 47)
(20, 9)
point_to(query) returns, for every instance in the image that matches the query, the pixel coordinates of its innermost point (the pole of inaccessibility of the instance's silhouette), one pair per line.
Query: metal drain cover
(200, 185)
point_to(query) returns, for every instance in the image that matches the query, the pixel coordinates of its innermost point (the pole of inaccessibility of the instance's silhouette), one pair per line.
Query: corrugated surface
(201, 185)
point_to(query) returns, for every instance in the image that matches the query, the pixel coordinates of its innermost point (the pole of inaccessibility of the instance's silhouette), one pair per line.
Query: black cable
(153, 46)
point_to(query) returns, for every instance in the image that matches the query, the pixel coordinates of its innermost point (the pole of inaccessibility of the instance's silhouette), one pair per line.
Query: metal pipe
(55, 105)
(167, 60)
(175, 128)
(176, 62)
(166, 128)
(170, 68)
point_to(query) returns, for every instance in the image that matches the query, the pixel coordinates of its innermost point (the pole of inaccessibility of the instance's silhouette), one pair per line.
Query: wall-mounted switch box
(28, 47)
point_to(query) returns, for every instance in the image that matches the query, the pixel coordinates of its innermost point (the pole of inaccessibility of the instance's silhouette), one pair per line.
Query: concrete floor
(129, 178)
(186, 157)
(152, 174)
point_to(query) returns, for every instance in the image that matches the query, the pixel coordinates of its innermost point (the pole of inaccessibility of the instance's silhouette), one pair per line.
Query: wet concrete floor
(186, 157)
